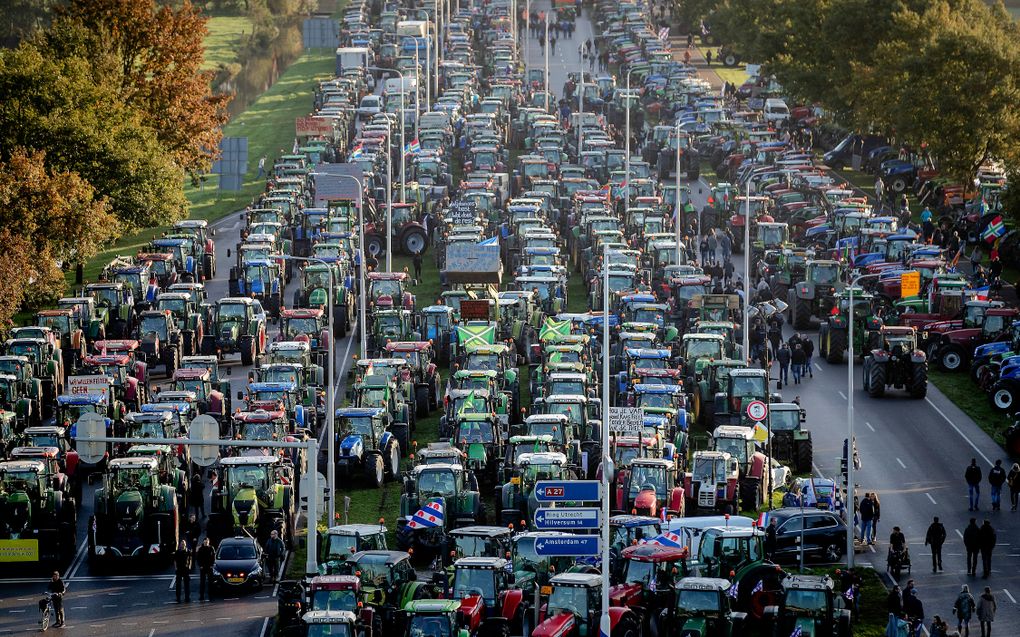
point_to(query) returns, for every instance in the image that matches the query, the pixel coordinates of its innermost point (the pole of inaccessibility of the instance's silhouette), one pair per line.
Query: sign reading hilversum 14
(567, 518)
(626, 420)
(564, 491)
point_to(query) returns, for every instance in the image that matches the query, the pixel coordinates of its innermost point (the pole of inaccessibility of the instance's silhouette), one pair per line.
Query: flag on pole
(356, 152)
(763, 520)
(732, 592)
(553, 329)
(671, 540)
(412, 148)
(759, 587)
(664, 34)
(995, 229)
(429, 516)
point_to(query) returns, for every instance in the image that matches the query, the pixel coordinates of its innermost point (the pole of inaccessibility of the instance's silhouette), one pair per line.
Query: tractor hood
(561, 624)
(317, 297)
(129, 510)
(694, 627)
(16, 514)
(245, 507)
(628, 594)
(229, 331)
(352, 446)
(990, 349)
(961, 335)
(645, 501)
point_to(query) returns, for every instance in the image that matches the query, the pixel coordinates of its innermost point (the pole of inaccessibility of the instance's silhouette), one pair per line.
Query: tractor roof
(334, 582)
(437, 467)
(243, 461)
(642, 352)
(703, 584)
(748, 372)
(494, 563)
(44, 430)
(733, 431)
(21, 466)
(482, 531)
(542, 458)
(407, 346)
(587, 580)
(118, 345)
(629, 521)
(389, 557)
(556, 418)
(356, 529)
(360, 412)
(388, 276)
(290, 345)
(808, 582)
(234, 300)
(192, 373)
(328, 617)
(149, 416)
(175, 397)
(81, 399)
(27, 453)
(655, 553)
(302, 313)
(107, 359)
(259, 415)
(135, 462)
(434, 606)
(642, 388)
(437, 309)
(272, 386)
(166, 407)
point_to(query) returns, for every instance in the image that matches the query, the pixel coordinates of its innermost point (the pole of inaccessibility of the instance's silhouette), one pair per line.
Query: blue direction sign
(567, 518)
(577, 546)
(562, 491)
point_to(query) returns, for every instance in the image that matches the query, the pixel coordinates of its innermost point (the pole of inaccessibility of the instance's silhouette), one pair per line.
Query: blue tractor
(262, 279)
(369, 444)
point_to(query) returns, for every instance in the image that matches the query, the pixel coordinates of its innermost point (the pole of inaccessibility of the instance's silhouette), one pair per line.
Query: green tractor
(137, 514)
(816, 295)
(809, 605)
(480, 437)
(702, 608)
(189, 316)
(44, 364)
(714, 378)
(834, 331)
(314, 293)
(391, 325)
(37, 523)
(255, 495)
(895, 361)
(517, 497)
(741, 387)
(115, 303)
(21, 394)
(739, 555)
(377, 390)
(238, 325)
(448, 489)
(435, 618)
(791, 442)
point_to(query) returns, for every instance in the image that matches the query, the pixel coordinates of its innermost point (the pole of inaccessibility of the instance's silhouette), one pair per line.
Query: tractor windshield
(296, 326)
(772, 235)
(106, 297)
(697, 601)
(620, 282)
(651, 363)
(150, 429)
(806, 600)
(294, 355)
(316, 279)
(535, 472)
(374, 398)
(688, 292)
(475, 581)
(128, 479)
(43, 439)
(177, 306)
(784, 420)
(231, 312)
(154, 325)
(197, 386)
(336, 600)
(567, 356)
(748, 386)
(388, 325)
(573, 411)
(567, 387)
(277, 374)
(648, 315)
(546, 428)
(480, 361)
(655, 401)
(709, 470)
(475, 546)
(360, 426)
(568, 599)
(386, 287)
(430, 626)
(13, 481)
(247, 476)
(736, 447)
(826, 274)
(257, 431)
(437, 483)
(703, 348)
(640, 572)
(642, 476)
(340, 629)
(272, 395)
(475, 431)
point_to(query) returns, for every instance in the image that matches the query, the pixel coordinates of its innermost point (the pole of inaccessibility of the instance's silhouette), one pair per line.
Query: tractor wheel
(247, 347)
(750, 494)
(374, 470)
(804, 455)
(403, 437)
(730, 60)
(951, 358)
(275, 303)
(898, 185)
(823, 338)
(188, 342)
(339, 321)
(1003, 396)
(876, 380)
(835, 346)
(414, 241)
(207, 265)
(375, 245)
(208, 345)
(626, 627)
(919, 380)
(421, 401)
(802, 314)
(393, 460)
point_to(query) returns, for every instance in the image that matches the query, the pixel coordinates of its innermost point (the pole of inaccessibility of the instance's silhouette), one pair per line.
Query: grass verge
(973, 402)
(226, 33)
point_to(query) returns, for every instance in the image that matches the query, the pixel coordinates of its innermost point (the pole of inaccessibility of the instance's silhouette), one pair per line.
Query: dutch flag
(429, 516)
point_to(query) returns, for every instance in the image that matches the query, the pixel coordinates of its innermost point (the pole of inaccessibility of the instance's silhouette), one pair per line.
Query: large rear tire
(835, 346)
(374, 470)
(876, 380)
(393, 460)
(1003, 396)
(247, 347)
(414, 241)
(421, 400)
(951, 358)
(802, 314)
(919, 380)
(804, 455)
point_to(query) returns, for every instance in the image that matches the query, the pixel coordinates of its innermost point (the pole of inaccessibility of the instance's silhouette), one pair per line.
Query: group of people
(997, 477)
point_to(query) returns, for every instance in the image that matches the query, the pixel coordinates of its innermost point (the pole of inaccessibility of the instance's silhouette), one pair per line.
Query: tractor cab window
(688, 292)
(641, 572)
(437, 322)
(335, 600)
(736, 447)
(824, 274)
(154, 325)
(272, 395)
(126, 479)
(14, 481)
(993, 324)
(704, 348)
(257, 431)
(387, 287)
(806, 600)
(274, 375)
(430, 626)
(569, 387)
(649, 315)
(59, 324)
(568, 599)
(252, 476)
(177, 306)
(232, 312)
(784, 420)
(698, 601)
(316, 279)
(655, 401)
(437, 483)
(537, 472)
(475, 546)
(645, 476)
(476, 431)
(651, 363)
(544, 428)
(375, 398)
(748, 386)
(480, 361)
(106, 297)
(361, 426)
(573, 412)
(196, 386)
(289, 355)
(620, 282)
(772, 235)
(475, 581)
(709, 470)
(151, 429)
(342, 629)
(44, 440)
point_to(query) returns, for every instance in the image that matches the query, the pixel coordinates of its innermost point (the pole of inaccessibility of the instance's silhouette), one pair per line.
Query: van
(690, 529)
(776, 110)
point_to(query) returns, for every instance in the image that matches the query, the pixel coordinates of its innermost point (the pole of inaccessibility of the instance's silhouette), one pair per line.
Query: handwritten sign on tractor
(312, 126)
(910, 284)
(474, 309)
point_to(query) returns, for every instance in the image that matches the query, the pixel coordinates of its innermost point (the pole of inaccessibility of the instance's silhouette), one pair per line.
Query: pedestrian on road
(192, 530)
(879, 189)
(973, 477)
(809, 352)
(552, 46)
(912, 607)
(770, 539)
(728, 271)
(987, 545)
(687, 56)
(274, 554)
(963, 608)
(57, 587)
(416, 262)
(775, 336)
(798, 359)
(757, 340)
(196, 495)
(262, 167)
(975, 257)
(783, 359)
(878, 516)
(994, 272)
(182, 564)
(935, 538)
(939, 627)
(712, 245)
(986, 608)
(726, 243)
(996, 478)
(894, 601)
(1013, 480)
(708, 57)
(867, 513)
(972, 542)
(205, 557)
(690, 40)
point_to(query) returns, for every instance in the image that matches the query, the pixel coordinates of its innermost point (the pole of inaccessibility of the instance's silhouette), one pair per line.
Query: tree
(49, 218)
(160, 52)
(71, 109)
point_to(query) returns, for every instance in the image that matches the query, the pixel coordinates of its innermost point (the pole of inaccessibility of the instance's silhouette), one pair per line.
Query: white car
(369, 106)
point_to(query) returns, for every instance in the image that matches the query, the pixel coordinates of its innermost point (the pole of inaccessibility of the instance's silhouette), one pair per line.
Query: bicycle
(46, 610)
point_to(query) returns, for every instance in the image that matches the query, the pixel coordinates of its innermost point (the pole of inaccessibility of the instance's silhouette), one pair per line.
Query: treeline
(103, 112)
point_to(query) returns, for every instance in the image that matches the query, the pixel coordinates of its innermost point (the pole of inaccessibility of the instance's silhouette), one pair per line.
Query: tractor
(388, 581)
(36, 522)
(314, 293)
(896, 361)
(701, 607)
(390, 325)
(254, 495)
(440, 618)
(338, 542)
(204, 248)
(739, 555)
(46, 361)
(738, 443)
(648, 573)
(370, 444)
(712, 482)
(136, 514)
(114, 301)
(791, 442)
(833, 332)
(517, 496)
(21, 394)
(480, 437)
(420, 356)
(389, 290)
(377, 390)
(649, 487)
(809, 605)
(742, 386)
(574, 609)
(211, 401)
(238, 325)
(306, 325)
(488, 599)
(816, 294)
(446, 487)
(189, 316)
(161, 340)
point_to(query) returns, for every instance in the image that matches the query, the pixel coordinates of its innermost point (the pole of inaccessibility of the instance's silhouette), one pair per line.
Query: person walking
(728, 270)
(770, 539)
(973, 477)
(262, 167)
(783, 360)
(963, 608)
(713, 244)
(939, 627)
(703, 249)
(274, 554)
(192, 530)
(894, 601)
(798, 358)
(878, 516)
(867, 512)
(913, 608)
(972, 542)
(809, 352)
(196, 495)
(996, 478)
(726, 245)
(986, 608)
(935, 538)
(1013, 480)
(416, 262)
(708, 57)
(205, 557)
(182, 573)
(775, 336)
(987, 544)
(57, 587)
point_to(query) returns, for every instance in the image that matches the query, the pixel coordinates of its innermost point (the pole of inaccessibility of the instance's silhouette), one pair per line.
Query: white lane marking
(120, 593)
(901, 463)
(77, 562)
(109, 605)
(140, 604)
(16, 610)
(870, 427)
(931, 498)
(818, 367)
(224, 619)
(77, 607)
(152, 632)
(160, 622)
(265, 625)
(842, 395)
(962, 435)
(958, 533)
(1009, 595)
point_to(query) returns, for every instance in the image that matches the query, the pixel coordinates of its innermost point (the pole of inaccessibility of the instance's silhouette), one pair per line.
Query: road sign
(96, 385)
(626, 420)
(204, 429)
(910, 284)
(573, 491)
(320, 491)
(578, 546)
(757, 410)
(567, 518)
(90, 425)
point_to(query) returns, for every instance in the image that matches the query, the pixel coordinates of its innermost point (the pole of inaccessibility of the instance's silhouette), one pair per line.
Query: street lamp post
(679, 209)
(850, 421)
(607, 462)
(547, 62)
(626, 141)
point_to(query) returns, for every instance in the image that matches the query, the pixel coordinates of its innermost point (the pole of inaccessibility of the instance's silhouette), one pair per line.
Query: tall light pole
(403, 173)
(527, 36)
(850, 421)
(626, 158)
(607, 462)
(330, 415)
(679, 207)
(547, 61)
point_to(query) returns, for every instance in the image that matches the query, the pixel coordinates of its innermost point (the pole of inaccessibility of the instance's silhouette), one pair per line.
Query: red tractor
(574, 609)
(952, 351)
(648, 486)
(650, 573)
(487, 599)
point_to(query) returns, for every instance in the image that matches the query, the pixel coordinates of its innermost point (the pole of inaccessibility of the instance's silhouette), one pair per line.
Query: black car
(239, 565)
(824, 534)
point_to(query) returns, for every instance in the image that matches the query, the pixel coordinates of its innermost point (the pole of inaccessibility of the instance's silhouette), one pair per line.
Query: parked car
(238, 566)
(824, 534)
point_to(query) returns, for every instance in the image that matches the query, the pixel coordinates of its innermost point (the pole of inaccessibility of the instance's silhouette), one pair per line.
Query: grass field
(269, 126)
(736, 75)
(224, 39)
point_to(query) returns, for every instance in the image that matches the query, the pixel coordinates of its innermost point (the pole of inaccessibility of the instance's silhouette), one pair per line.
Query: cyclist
(57, 587)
